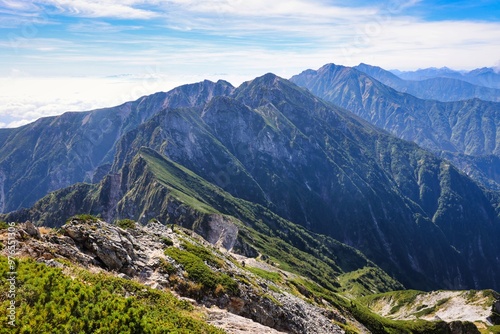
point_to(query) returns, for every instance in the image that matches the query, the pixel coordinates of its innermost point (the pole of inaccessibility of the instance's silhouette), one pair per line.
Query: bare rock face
(31, 230)
(235, 324)
(496, 307)
(292, 315)
(495, 313)
(219, 231)
(113, 246)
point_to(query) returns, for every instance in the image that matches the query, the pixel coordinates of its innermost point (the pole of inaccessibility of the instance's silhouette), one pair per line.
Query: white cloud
(15, 124)
(408, 44)
(263, 8)
(11, 6)
(25, 99)
(100, 27)
(100, 8)
(128, 9)
(497, 67)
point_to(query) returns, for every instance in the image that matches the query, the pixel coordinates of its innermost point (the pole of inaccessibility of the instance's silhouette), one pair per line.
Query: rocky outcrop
(288, 313)
(219, 231)
(495, 313)
(235, 324)
(110, 245)
(32, 230)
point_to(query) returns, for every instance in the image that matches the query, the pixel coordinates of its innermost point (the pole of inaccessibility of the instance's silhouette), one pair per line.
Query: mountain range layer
(463, 131)
(467, 127)
(433, 88)
(274, 144)
(486, 76)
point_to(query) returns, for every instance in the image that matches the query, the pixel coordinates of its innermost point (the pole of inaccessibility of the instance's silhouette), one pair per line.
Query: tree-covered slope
(462, 129)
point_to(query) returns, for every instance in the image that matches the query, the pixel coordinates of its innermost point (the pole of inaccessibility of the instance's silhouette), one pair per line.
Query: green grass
(493, 330)
(268, 275)
(48, 301)
(184, 184)
(193, 261)
(400, 298)
(363, 282)
(425, 311)
(204, 253)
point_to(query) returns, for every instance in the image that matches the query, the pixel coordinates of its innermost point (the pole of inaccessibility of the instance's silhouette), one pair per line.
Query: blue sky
(59, 55)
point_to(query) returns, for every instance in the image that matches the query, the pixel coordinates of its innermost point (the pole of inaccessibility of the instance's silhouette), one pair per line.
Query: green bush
(167, 267)
(494, 329)
(125, 223)
(49, 302)
(200, 273)
(167, 241)
(85, 217)
(204, 254)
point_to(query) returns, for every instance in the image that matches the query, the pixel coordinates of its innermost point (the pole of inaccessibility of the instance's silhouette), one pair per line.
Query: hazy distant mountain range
(486, 76)
(442, 88)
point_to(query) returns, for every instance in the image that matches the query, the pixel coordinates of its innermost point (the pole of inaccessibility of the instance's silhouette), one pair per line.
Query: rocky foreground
(138, 253)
